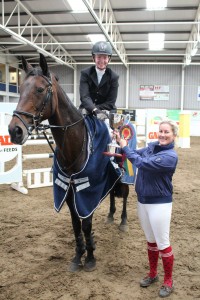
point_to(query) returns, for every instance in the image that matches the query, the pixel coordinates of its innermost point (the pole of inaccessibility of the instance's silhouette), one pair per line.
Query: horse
(42, 98)
(120, 190)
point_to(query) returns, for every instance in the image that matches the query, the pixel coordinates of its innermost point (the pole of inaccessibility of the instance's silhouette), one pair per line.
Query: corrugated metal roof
(52, 26)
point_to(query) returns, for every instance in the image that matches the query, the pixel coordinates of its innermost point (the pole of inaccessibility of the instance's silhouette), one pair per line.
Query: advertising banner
(153, 118)
(10, 154)
(154, 92)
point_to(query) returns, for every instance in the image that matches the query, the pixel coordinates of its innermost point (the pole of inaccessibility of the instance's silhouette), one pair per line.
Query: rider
(99, 84)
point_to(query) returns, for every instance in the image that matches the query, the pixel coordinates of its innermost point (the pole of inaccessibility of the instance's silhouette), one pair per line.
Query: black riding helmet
(102, 48)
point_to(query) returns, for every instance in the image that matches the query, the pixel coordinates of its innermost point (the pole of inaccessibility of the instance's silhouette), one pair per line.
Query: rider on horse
(99, 84)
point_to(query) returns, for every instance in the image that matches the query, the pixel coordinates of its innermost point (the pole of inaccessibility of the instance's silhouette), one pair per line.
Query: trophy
(121, 123)
(116, 121)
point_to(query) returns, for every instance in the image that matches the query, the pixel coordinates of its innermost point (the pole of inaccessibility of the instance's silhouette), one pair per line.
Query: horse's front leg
(125, 192)
(110, 217)
(90, 261)
(76, 263)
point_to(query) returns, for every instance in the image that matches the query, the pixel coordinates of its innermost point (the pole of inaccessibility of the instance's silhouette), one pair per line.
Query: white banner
(9, 173)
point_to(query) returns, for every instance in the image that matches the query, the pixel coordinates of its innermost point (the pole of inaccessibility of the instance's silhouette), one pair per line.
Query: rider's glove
(100, 114)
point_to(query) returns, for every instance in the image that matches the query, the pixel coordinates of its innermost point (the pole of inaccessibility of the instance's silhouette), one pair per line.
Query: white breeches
(155, 221)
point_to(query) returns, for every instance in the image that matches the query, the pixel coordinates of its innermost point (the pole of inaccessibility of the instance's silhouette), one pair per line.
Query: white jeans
(155, 221)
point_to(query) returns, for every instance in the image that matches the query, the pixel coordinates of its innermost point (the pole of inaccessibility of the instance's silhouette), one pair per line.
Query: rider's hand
(100, 114)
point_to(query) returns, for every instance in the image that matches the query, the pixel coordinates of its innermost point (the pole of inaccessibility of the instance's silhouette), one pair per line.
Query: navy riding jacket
(156, 165)
(103, 95)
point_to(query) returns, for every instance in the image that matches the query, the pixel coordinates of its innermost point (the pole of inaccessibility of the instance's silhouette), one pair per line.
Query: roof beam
(97, 32)
(105, 21)
(58, 53)
(194, 39)
(93, 24)
(127, 9)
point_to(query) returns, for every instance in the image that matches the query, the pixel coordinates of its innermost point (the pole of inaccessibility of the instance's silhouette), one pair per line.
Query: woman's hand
(116, 135)
(122, 142)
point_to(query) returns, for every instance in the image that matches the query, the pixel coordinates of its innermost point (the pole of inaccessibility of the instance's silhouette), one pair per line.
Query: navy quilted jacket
(156, 165)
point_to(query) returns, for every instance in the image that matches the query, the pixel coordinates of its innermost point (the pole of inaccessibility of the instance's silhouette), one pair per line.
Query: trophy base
(112, 154)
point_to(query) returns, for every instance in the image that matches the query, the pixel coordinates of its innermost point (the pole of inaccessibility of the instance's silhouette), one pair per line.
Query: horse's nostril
(18, 131)
(16, 134)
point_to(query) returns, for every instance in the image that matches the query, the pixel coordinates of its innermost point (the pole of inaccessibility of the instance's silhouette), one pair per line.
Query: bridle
(37, 119)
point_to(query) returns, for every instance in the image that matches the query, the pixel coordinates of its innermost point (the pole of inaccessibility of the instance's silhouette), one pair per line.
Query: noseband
(36, 119)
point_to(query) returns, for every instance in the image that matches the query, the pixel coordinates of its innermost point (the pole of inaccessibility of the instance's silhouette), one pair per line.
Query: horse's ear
(44, 66)
(26, 66)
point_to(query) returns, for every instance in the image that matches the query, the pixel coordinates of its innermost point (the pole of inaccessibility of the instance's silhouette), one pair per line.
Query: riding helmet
(102, 48)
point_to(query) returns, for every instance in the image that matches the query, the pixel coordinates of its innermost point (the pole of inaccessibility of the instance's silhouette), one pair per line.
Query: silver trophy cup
(116, 121)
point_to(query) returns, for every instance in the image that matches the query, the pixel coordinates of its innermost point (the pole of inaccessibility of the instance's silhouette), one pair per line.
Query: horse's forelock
(34, 72)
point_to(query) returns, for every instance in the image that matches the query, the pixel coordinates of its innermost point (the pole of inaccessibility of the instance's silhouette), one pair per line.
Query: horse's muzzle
(16, 135)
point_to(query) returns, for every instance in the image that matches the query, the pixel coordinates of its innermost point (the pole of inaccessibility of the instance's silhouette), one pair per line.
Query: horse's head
(35, 103)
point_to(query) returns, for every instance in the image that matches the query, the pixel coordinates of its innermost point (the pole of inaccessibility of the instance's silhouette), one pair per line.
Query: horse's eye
(40, 90)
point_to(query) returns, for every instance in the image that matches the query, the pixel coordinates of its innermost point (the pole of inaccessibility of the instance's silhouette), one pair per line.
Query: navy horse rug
(97, 177)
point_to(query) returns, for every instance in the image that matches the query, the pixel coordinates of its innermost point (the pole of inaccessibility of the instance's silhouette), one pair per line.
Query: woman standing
(156, 165)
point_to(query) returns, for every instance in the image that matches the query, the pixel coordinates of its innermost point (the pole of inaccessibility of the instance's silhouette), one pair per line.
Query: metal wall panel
(144, 75)
(122, 72)
(192, 81)
(155, 75)
(65, 77)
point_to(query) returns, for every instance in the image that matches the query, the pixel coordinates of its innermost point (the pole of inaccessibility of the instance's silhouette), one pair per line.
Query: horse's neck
(70, 141)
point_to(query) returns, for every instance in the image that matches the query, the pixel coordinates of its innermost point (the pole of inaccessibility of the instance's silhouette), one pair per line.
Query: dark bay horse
(41, 98)
(120, 190)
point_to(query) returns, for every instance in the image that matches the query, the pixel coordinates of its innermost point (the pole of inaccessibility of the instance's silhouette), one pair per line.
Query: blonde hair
(172, 124)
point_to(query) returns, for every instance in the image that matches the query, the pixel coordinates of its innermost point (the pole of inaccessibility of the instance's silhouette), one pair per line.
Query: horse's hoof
(123, 228)
(110, 220)
(75, 267)
(90, 265)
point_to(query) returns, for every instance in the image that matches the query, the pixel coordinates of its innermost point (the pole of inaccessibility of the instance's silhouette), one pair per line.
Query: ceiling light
(156, 4)
(96, 38)
(77, 6)
(156, 41)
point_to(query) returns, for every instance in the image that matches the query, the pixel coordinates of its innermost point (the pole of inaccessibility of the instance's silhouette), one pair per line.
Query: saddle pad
(93, 183)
